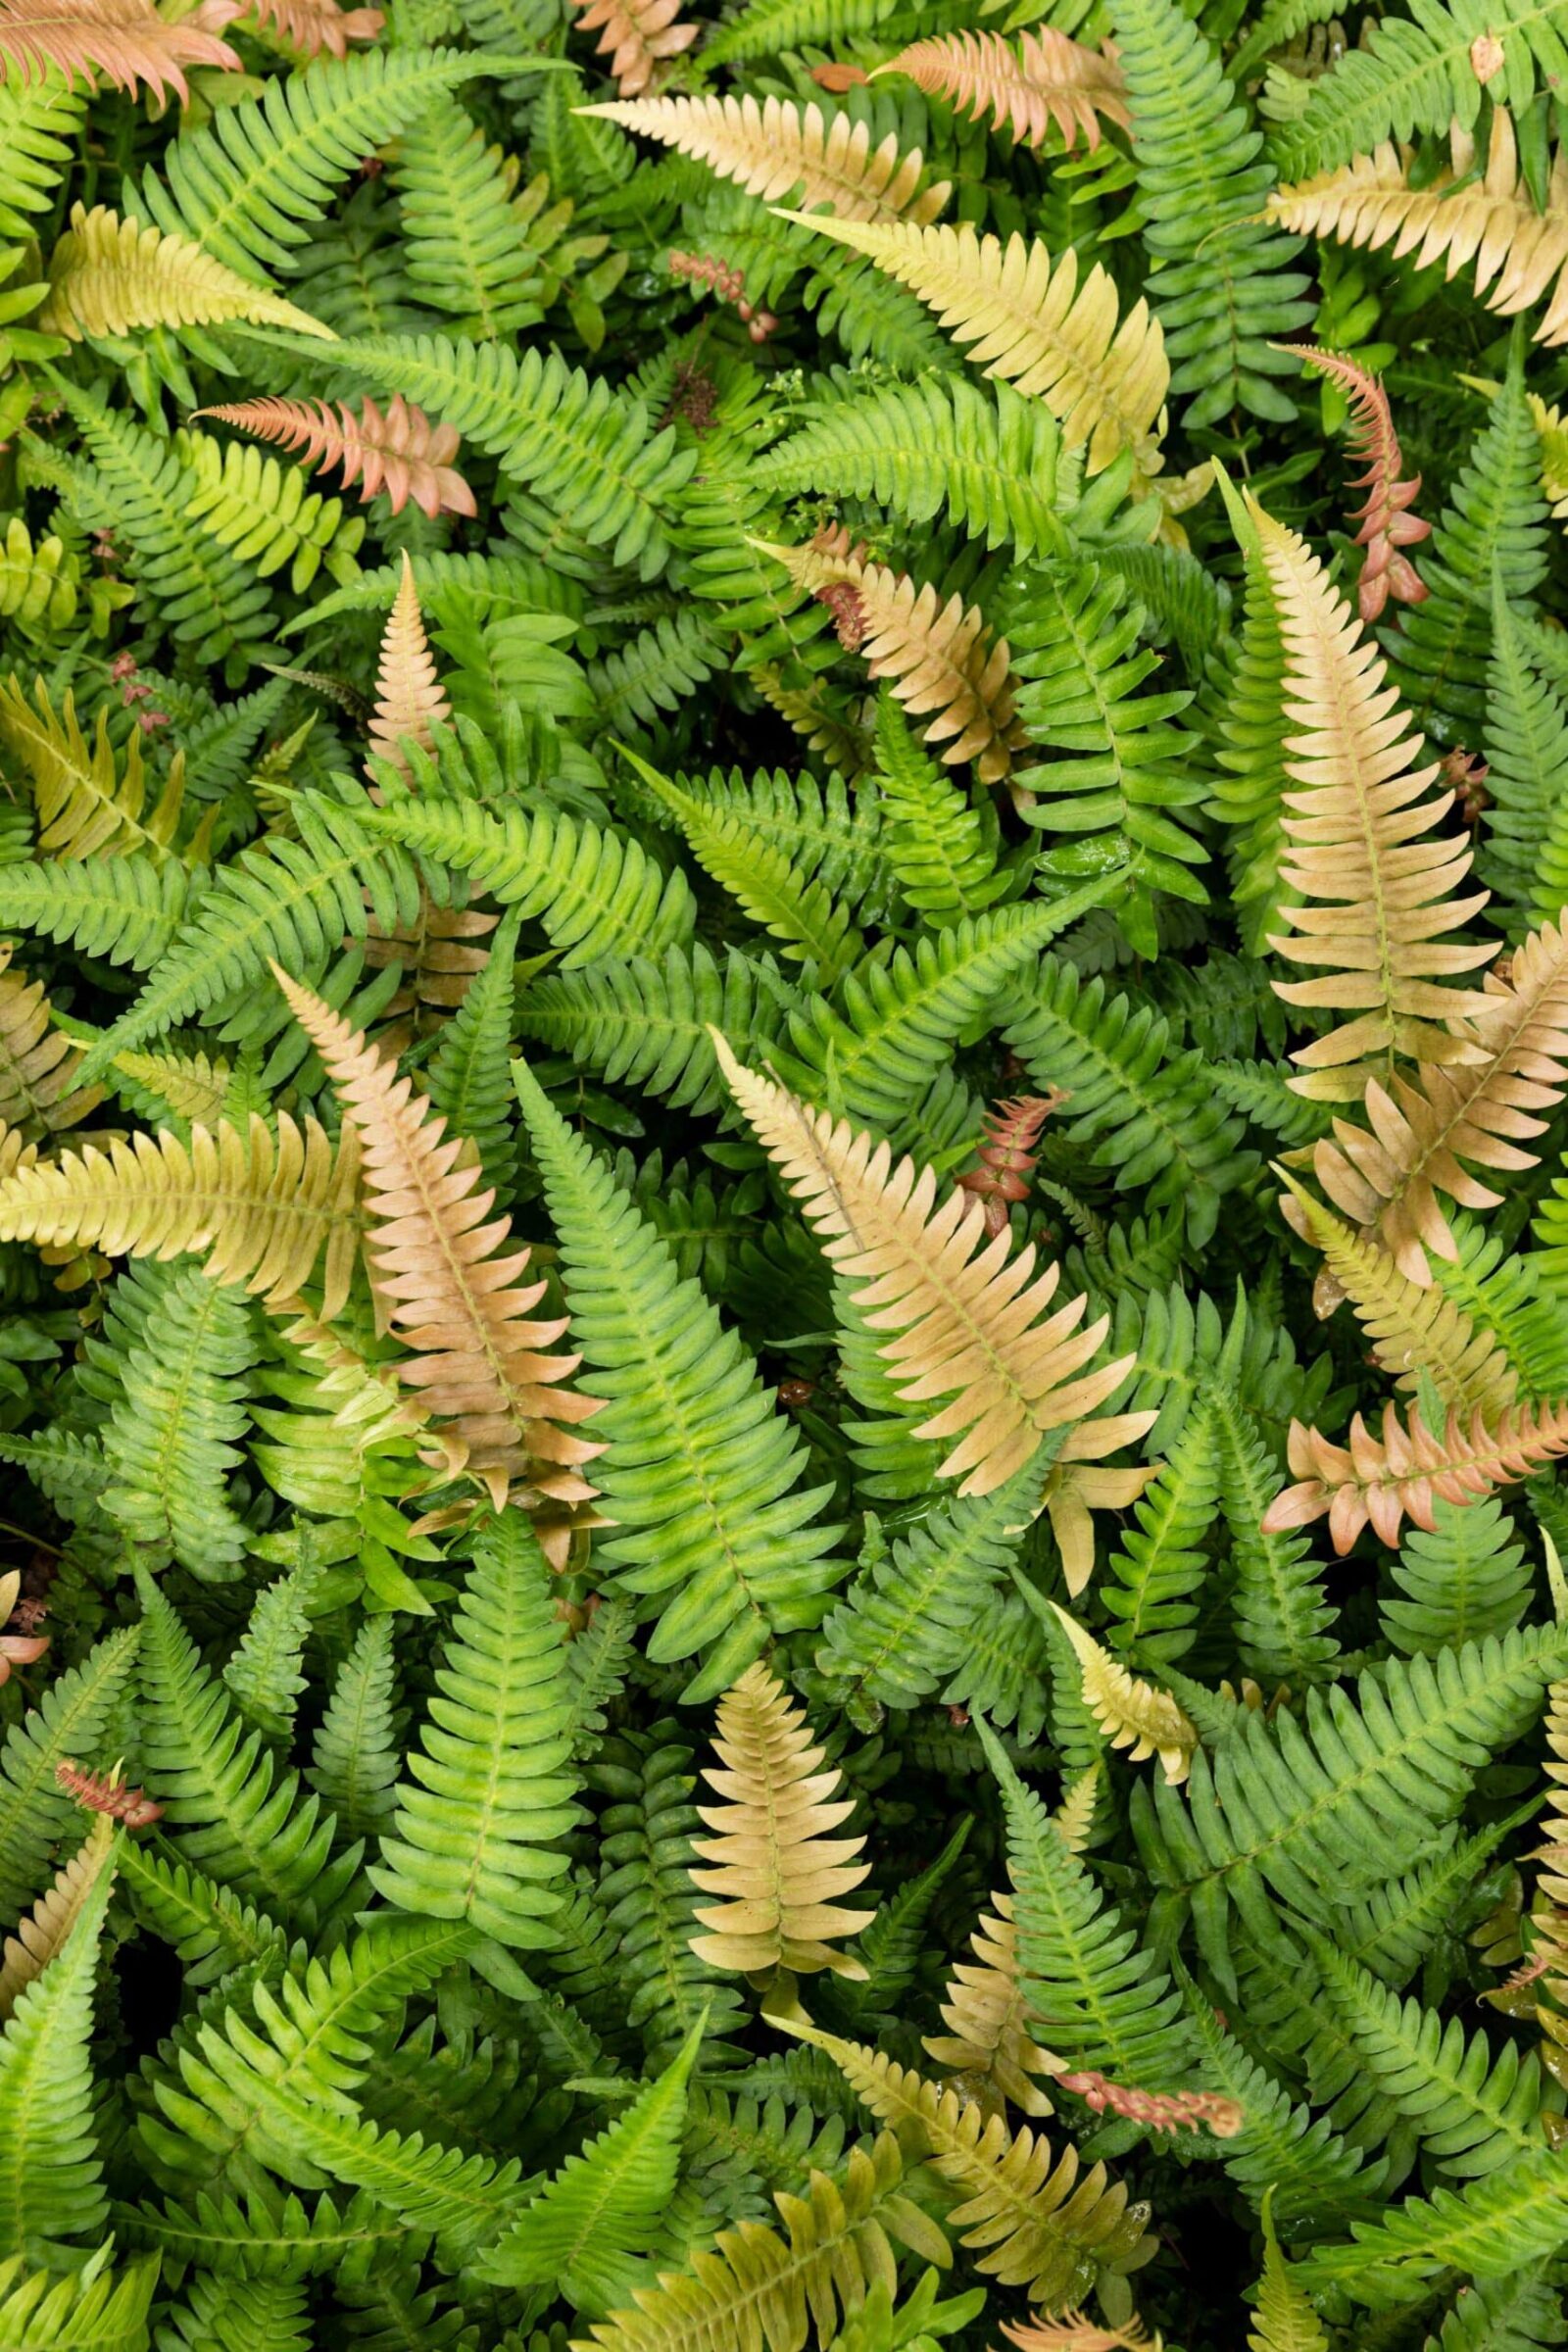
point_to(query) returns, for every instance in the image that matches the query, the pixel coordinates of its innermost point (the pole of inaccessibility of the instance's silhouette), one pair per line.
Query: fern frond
(1387, 523)
(127, 41)
(86, 807)
(73, 1717)
(114, 276)
(108, 2309)
(1032, 324)
(38, 576)
(400, 452)
(1075, 2332)
(39, 1937)
(171, 1438)
(51, 2182)
(312, 25)
(1402, 1474)
(1047, 80)
(988, 2037)
(126, 910)
(1130, 1713)
(409, 700)
(967, 1321)
(779, 146)
(462, 1309)
(41, 1069)
(636, 37)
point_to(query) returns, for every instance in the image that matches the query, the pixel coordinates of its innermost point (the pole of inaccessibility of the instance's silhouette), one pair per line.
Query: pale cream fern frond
(127, 41)
(109, 277)
(312, 25)
(1422, 1131)
(409, 698)
(936, 656)
(261, 1211)
(28, 1952)
(1132, 1713)
(86, 806)
(1520, 253)
(38, 1065)
(636, 37)
(959, 1316)
(771, 1859)
(1048, 78)
(1416, 1332)
(1375, 876)
(987, 2043)
(1025, 318)
(773, 147)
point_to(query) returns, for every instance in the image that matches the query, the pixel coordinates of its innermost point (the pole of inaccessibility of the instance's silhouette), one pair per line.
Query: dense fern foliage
(783, 1176)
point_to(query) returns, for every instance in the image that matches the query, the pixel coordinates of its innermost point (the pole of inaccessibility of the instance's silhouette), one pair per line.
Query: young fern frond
(113, 276)
(400, 451)
(127, 41)
(409, 700)
(962, 1321)
(1387, 523)
(1382, 1481)
(39, 1937)
(776, 147)
(1132, 1713)
(1049, 79)
(636, 37)
(477, 1359)
(40, 1093)
(1034, 326)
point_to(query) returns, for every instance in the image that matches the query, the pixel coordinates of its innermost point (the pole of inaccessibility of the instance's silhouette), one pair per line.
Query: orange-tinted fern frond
(409, 700)
(988, 2042)
(1420, 1132)
(637, 36)
(1387, 526)
(103, 1793)
(1362, 847)
(86, 807)
(1383, 1482)
(936, 656)
(1415, 1331)
(781, 1875)
(127, 41)
(38, 1065)
(1160, 2109)
(28, 1952)
(401, 451)
(1048, 79)
(1133, 1714)
(772, 148)
(962, 1318)
(1007, 1156)
(312, 25)
(262, 1209)
(453, 1282)
(1030, 322)
(1520, 253)
(1072, 2331)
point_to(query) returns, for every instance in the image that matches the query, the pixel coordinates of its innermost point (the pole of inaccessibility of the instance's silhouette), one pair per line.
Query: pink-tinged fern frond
(1408, 1471)
(636, 37)
(1006, 1155)
(1048, 79)
(1160, 2109)
(127, 41)
(312, 25)
(409, 698)
(101, 1792)
(1386, 525)
(400, 452)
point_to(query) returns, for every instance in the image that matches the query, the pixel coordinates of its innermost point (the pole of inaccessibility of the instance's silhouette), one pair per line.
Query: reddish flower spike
(102, 1794)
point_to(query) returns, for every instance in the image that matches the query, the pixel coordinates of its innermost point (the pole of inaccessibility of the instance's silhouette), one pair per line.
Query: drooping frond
(312, 25)
(1376, 882)
(127, 41)
(963, 1322)
(88, 803)
(1132, 1713)
(1382, 1481)
(455, 1295)
(409, 700)
(780, 1875)
(636, 37)
(39, 1937)
(779, 146)
(1033, 324)
(1386, 525)
(938, 656)
(1048, 78)
(1520, 253)
(262, 1207)
(111, 276)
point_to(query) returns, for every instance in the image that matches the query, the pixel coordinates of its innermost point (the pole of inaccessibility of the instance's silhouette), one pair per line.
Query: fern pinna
(783, 1206)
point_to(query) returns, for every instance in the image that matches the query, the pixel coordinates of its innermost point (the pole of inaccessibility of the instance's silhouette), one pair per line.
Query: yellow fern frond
(85, 807)
(637, 36)
(780, 1873)
(261, 1211)
(1414, 1331)
(39, 1094)
(1074, 1817)
(1286, 2319)
(1030, 322)
(28, 1952)
(193, 1086)
(987, 2043)
(1074, 2332)
(1554, 431)
(1384, 1481)
(938, 656)
(109, 277)
(1421, 1130)
(312, 25)
(409, 698)
(452, 1282)
(1048, 79)
(777, 146)
(1130, 1713)
(1362, 847)
(1041, 2227)
(38, 579)
(962, 1314)
(127, 41)
(1520, 253)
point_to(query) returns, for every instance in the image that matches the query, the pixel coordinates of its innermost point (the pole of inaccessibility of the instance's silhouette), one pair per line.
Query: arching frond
(1382, 1481)
(111, 276)
(1132, 1713)
(1386, 525)
(127, 41)
(776, 147)
(1048, 78)
(400, 452)
(39, 1937)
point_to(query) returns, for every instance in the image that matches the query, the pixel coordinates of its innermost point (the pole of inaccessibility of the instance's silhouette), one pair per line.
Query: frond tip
(771, 1859)
(127, 41)
(1402, 1476)
(1130, 1713)
(400, 452)
(110, 276)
